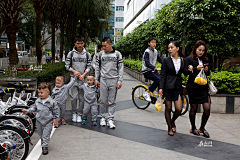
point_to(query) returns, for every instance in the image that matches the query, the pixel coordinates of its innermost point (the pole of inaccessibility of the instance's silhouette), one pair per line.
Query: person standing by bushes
(198, 94)
(171, 84)
(149, 69)
(78, 61)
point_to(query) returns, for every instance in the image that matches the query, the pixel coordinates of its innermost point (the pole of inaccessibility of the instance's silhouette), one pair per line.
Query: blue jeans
(154, 76)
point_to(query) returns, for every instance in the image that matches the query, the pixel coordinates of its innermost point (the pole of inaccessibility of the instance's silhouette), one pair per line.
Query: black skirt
(198, 95)
(172, 94)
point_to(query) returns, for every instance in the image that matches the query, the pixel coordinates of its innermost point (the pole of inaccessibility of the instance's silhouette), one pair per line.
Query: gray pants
(94, 110)
(44, 131)
(62, 111)
(77, 94)
(108, 91)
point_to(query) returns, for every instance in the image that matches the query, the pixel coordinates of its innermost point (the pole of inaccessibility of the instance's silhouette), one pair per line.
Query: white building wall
(132, 7)
(118, 25)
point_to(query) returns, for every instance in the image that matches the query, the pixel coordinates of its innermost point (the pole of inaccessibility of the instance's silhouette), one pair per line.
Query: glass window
(120, 8)
(119, 19)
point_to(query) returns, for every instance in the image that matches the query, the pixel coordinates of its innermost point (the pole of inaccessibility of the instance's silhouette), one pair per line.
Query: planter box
(220, 103)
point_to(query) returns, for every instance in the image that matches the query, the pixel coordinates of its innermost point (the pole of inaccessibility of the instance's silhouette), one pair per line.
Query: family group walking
(83, 86)
(170, 83)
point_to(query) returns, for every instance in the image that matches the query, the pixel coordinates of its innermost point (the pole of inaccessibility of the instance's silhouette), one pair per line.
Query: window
(119, 19)
(120, 8)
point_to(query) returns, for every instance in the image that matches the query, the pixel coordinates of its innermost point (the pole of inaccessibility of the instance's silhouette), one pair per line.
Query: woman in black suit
(198, 94)
(171, 84)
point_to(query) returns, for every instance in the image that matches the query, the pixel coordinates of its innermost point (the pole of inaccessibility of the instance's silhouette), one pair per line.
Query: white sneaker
(147, 97)
(110, 124)
(79, 119)
(74, 117)
(103, 122)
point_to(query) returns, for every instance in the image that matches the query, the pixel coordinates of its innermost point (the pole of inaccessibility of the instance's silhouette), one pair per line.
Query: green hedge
(49, 72)
(226, 82)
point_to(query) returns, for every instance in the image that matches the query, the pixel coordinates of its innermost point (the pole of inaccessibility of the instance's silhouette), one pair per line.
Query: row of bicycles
(16, 128)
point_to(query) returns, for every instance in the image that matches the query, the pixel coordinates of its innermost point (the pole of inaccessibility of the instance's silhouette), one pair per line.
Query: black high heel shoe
(205, 133)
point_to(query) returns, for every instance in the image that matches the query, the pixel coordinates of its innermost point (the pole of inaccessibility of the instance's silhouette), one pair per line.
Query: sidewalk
(142, 135)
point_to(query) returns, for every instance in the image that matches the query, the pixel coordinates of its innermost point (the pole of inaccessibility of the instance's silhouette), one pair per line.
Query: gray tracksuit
(45, 114)
(80, 62)
(60, 95)
(90, 101)
(94, 60)
(110, 67)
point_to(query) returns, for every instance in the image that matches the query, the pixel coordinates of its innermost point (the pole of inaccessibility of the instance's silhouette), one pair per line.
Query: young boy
(90, 97)
(149, 69)
(47, 113)
(78, 61)
(94, 61)
(110, 67)
(60, 95)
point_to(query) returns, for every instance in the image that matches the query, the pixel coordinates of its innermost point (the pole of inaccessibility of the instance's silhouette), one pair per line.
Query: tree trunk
(13, 57)
(38, 37)
(53, 43)
(61, 43)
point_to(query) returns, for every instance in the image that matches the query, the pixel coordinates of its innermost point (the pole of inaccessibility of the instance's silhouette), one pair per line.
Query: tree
(38, 6)
(10, 12)
(53, 8)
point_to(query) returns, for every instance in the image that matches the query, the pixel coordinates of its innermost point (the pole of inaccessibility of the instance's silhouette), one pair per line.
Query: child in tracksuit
(60, 95)
(110, 67)
(47, 114)
(78, 62)
(90, 100)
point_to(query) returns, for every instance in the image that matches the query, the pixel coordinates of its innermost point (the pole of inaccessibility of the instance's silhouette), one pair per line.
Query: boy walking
(149, 69)
(90, 97)
(110, 67)
(60, 95)
(78, 62)
(47, 114)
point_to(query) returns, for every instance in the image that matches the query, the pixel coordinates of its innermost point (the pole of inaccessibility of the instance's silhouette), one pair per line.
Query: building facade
(139, 11)
(116, 20)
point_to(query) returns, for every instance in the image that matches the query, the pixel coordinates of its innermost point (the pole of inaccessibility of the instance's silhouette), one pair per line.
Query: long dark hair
(177, 44)
(194, 54)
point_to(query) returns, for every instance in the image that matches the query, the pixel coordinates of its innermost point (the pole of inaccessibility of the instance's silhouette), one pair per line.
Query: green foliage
(136, 64)
(226, 82)
(219, 28)
(49, 72)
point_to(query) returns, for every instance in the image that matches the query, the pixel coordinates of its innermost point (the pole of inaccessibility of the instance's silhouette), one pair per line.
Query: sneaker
(63, 122)
(44, 150)
(84, 121)
(74, 117)
(102, 122)
(147, 97)
(94, 123)
(110, 124)
(79, 119)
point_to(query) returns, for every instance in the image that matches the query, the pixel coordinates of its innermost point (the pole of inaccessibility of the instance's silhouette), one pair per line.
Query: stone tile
(237, 105)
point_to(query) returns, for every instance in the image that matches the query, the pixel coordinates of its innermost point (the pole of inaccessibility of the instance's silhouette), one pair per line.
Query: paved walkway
(142, 135)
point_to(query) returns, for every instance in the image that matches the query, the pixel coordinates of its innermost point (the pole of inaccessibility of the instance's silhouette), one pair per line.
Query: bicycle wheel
(138, 99)
(30, 117)
(16, 121)
(16, 142)
(185, 105)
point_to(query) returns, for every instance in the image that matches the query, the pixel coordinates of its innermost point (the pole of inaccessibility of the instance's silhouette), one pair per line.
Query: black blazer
(169, 79)
(192, 76)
